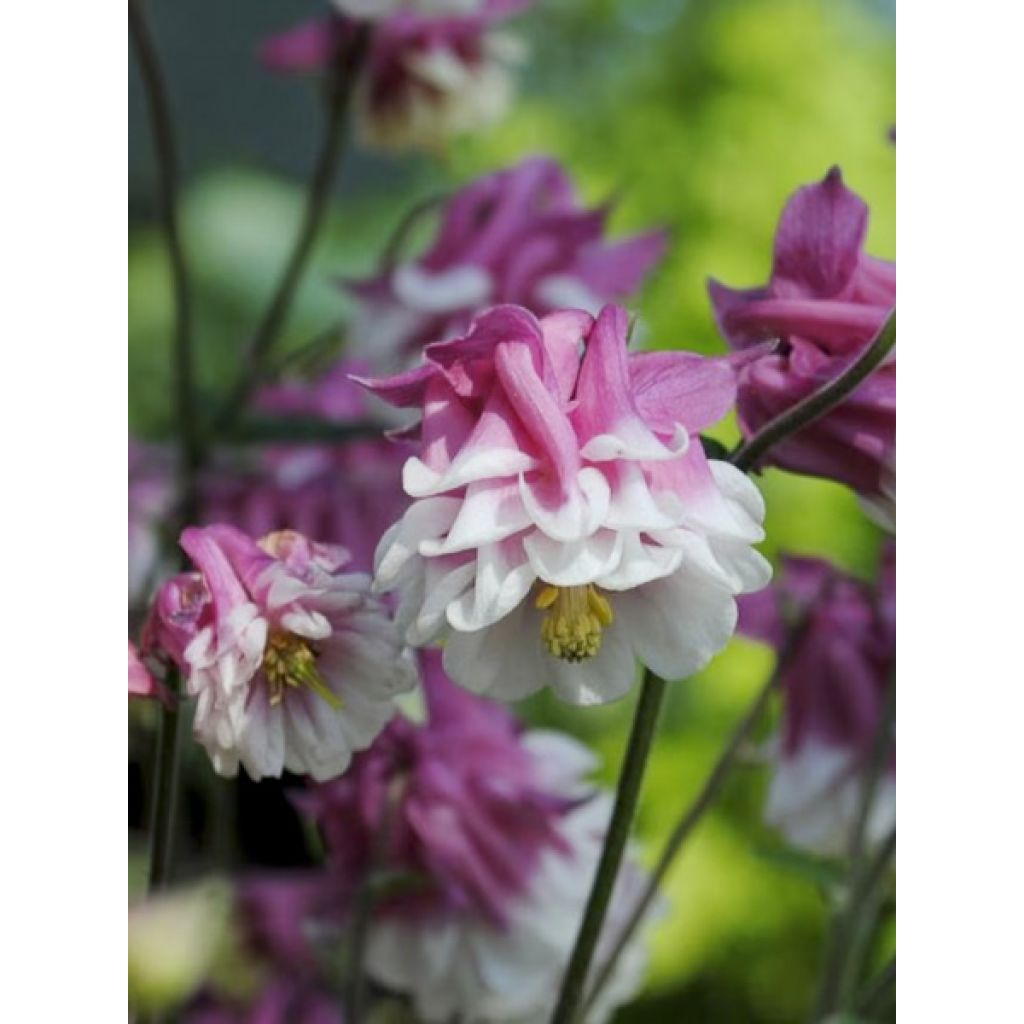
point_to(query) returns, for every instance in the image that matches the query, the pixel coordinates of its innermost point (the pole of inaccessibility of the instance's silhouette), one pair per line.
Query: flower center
(289, 661)
(575, 618)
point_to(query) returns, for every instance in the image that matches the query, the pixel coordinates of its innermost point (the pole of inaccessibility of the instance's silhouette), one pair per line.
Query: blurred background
(698, 115)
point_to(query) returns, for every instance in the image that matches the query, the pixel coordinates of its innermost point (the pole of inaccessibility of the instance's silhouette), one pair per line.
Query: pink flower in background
(294, 665)
(826, 302)
(430, 75)
(141, 682)
(834, 681)
(150, 496)
(566, 520)
(520, 235)
(345, 493)
(498, 841)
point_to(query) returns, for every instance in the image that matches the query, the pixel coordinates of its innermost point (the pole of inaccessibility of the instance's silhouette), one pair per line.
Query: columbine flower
(826, 301)
(566, 521)
(834, 681)
(520, 235)
(426, 78)
(294, 664)
(498, 846)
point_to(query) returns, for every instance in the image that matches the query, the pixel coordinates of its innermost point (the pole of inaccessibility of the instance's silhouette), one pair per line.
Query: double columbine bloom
(566, 520)
(294, 664)
(432, 71)
(834, 677)
(520, 235)
(494, 836)
(826, 301)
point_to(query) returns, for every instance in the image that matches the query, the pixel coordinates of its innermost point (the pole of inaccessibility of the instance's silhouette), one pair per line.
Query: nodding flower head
(293, 663)
(565, 519)
(826, 301)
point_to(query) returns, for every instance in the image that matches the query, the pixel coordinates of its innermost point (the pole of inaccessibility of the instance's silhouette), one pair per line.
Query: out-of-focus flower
(150, 495)
(826, 302)
(499, 844)
(342, 493)
(294, 664)
(834, 679)
(276, 919)
(173, 941)
(141, 682)
(566, 518)
(520, 235)
(375, 10)
(428, 76)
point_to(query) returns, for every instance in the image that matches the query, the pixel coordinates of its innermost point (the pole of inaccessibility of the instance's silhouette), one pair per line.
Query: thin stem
(189, 433)
(815, 406)
(842, 956)
(727, 761)
(340, 87)
(166, 798)
(641, 737)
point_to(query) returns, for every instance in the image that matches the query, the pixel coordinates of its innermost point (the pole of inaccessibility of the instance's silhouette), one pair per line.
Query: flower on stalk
(492, 852)
(566, 520)
(826, 301)
(837, 669)
(294, 664)
(428, 76)
(519, 235)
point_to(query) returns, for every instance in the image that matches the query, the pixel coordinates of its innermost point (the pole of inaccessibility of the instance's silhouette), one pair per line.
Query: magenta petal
(620, 268)
(563, 342)
(819, 239)
(306, 47)
(538, 411)
(403, 390)
(726, 302)
(681, 387)
(204, 546)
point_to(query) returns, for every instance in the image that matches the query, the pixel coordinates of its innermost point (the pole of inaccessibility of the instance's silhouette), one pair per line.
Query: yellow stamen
(576, 617)
(290, 661)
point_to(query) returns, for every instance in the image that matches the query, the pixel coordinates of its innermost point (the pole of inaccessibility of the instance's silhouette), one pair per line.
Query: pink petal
(681, 387)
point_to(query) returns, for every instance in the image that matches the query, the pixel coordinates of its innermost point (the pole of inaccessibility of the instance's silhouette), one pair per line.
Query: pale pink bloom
(499, 842)
(294, 665)
(826, 302)
(837, 669)
(566, 520)
(429, 75)
(520, 235)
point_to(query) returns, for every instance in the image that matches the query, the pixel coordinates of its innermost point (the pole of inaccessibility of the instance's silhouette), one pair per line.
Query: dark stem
(641, 737)
(845, 944)
(340, 87)
(813, 407)
(189, 432)
(166, 797)
(721, 771)
(878, 993)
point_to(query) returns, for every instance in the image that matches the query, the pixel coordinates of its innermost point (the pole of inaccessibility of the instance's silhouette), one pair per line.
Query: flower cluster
(566, 519)
(520, 235)
(826, 302)
(837, 638)
(294, 665)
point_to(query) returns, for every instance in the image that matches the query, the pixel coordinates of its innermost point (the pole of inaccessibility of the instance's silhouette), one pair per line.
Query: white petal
(423, 520)
(572, 563)
(606, 677)
(641, 563)
(457, 288)
(491, 511)
(579, 515)
(503, 579)
(480, 463)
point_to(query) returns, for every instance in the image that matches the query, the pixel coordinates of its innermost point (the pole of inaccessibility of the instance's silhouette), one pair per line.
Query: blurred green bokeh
(702, 116)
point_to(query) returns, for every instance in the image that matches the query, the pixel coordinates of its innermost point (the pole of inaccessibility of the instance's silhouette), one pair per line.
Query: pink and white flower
(834, 679)
(499, 846)
(520, 235)
(429, 75)
(826, 302)
(565, 519)
(295, 666)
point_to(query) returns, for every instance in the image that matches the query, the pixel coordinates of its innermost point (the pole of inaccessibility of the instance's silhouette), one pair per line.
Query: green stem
(814, 406)
(720, 773)
(166, 786)
(879, 992)
(845, 944)
(340, 88)
(190, 435)
(627, 795)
